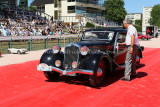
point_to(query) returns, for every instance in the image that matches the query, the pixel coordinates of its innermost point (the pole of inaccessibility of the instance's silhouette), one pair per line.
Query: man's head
(127, 23)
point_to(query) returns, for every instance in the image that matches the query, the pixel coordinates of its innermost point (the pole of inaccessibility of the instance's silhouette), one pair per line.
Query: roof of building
(133, 13)
(41, 2)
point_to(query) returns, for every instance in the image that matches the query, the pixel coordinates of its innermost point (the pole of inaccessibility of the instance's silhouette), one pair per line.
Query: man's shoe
(124, 79)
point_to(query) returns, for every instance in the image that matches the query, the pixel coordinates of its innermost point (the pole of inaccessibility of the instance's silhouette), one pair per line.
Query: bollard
(69, 39)
(60, 42)
(30, 45)
(10, 43)
(46, 43)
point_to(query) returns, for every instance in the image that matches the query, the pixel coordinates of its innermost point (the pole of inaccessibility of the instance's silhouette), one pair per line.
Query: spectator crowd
(36, 27)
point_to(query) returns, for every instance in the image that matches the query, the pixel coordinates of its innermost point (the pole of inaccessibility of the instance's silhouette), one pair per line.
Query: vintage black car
(97, 54)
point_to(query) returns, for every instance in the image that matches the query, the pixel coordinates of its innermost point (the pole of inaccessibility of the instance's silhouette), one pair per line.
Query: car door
(120, 50)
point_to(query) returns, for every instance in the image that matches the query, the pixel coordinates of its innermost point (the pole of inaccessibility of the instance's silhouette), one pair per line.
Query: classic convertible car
(97, 54)
(16, 50)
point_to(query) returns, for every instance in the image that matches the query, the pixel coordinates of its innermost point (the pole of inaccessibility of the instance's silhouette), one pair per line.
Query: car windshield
(98, 35)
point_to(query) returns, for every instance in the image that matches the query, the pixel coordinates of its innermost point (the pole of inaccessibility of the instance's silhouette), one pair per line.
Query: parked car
(97, 54)
(16, 50)
(143, 37)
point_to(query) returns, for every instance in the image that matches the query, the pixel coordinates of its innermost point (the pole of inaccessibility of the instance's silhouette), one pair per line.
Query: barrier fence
(36, 44)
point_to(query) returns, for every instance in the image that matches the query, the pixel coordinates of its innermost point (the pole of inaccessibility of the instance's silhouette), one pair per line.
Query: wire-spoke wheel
(8, 51)
(98, 77)
(18, 52)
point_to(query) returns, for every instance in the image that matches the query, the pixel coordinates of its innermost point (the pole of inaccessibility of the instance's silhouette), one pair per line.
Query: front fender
(91, 62)
(49, 58)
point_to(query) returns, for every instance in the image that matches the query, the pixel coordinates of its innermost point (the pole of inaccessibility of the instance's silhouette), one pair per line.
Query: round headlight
(74, 65)
(56, 49)
(84, 50)
(58, 63)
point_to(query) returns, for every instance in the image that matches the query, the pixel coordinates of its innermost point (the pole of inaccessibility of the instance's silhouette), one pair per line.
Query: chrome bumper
(45, 67)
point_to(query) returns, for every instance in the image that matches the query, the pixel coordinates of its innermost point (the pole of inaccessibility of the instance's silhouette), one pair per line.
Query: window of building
(71, 0)
(71, 9)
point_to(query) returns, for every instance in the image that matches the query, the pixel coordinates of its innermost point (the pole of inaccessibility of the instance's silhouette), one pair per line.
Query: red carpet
(22, 86)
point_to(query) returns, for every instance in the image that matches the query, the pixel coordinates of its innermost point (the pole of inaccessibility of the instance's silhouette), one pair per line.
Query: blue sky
(134, 6)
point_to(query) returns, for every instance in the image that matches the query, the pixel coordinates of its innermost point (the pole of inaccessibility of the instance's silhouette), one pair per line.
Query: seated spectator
(43, 32)
(21, 32)
(13, 32)
(34, 31)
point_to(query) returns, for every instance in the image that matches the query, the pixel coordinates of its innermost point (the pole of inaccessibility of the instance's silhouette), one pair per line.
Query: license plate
(44, 67)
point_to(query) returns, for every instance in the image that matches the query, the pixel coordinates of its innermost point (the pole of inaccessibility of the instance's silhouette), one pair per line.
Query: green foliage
(139, 28)
(31, 8)
(23, 4)
(115, 10)
(158, 23)
(90, 25)
(138, 22)
(155, 15)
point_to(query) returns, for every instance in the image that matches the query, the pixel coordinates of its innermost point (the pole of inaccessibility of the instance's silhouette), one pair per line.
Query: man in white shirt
(132, 43)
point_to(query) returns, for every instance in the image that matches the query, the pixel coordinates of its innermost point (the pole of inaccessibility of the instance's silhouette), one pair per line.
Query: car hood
(93, 43)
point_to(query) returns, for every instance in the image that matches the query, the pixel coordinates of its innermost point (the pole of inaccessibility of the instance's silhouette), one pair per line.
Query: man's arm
(124, 43)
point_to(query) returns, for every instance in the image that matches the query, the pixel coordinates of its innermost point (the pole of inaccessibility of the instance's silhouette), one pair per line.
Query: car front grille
(71, 54)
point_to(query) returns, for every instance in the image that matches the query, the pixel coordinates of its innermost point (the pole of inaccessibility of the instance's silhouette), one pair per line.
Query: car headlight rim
(84, 50)
(56, 49)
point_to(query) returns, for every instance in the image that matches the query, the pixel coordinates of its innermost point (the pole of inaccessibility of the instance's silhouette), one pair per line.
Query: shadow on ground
(110, 78)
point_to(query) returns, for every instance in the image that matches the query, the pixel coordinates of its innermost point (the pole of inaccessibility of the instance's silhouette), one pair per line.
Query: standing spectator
(51, 19)
(132, 43)
(5, 31)
(14, 32)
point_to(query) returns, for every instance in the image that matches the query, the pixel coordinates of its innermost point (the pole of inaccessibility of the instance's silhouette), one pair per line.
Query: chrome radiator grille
(71, 54)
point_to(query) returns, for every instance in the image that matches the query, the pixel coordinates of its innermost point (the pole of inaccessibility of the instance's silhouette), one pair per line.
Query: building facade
(8, 2)
(72, 10)
(133, 17)
(146, 16)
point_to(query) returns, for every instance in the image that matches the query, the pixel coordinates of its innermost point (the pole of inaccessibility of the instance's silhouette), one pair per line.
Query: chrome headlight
(58, 63)
(56, 49)
(84, 50)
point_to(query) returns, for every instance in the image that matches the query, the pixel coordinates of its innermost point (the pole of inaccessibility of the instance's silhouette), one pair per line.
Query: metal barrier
(36, 44)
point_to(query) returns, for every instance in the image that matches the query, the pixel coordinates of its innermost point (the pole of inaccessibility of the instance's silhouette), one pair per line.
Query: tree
(23, 4)
(31, 8)
(115, 10)
(138, 22)
(155, 15)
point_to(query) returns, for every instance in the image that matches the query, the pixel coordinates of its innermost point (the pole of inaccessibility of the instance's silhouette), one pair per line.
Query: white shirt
(132, 31)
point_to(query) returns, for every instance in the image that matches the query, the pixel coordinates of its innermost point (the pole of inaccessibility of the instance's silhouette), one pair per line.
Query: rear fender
(140, 49)
(49, 58)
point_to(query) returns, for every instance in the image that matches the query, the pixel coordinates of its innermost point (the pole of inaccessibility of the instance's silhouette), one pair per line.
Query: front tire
(142, 38)
(52, 75)
(8, 51)
(98, 77)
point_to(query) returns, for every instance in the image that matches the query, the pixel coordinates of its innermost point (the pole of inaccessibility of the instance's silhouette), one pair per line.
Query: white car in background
(16, 50)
